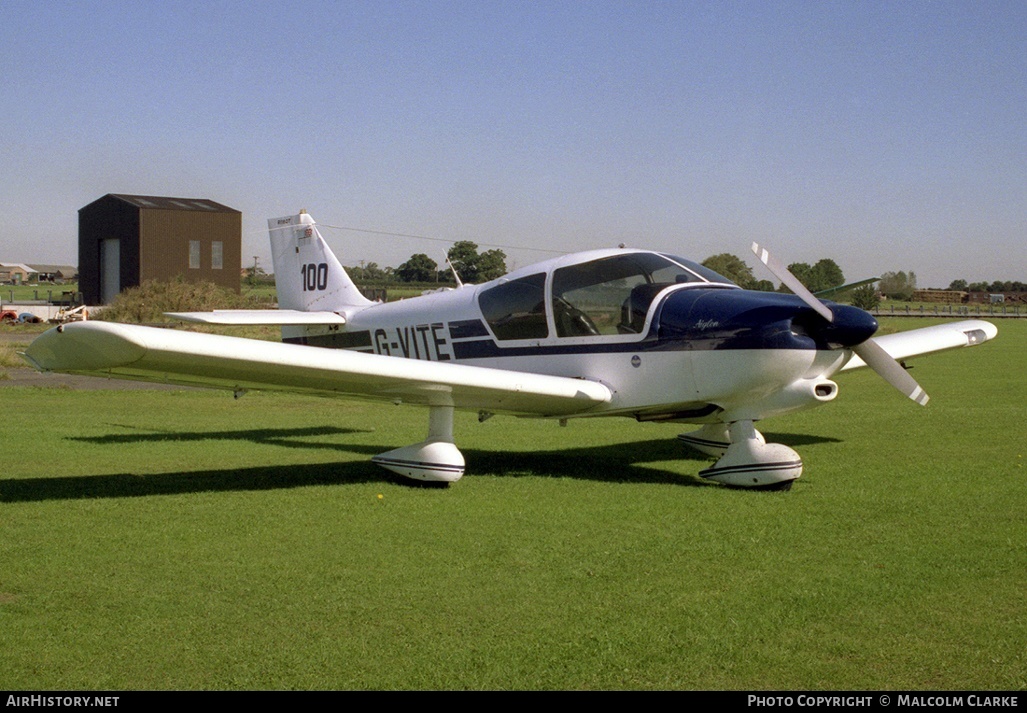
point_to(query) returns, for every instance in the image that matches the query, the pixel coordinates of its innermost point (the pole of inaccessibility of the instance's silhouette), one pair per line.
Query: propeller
(869, 351)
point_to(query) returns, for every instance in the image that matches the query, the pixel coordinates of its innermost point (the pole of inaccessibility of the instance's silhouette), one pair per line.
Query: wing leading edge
(927, 340)
(193, 359)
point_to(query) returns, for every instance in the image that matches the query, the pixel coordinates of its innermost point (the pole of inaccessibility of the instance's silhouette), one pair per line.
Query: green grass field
(186, 540)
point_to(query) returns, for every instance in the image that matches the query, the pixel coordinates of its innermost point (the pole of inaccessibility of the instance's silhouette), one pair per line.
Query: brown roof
(68, 270)
(166, 203)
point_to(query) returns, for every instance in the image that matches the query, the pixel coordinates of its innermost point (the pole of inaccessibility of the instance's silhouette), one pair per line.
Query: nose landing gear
(746, 459)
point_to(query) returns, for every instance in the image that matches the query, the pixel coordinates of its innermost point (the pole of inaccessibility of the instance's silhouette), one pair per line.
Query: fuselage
(671, 339)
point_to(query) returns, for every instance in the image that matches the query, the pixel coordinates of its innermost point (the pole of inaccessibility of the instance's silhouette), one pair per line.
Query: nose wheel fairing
(746, 460)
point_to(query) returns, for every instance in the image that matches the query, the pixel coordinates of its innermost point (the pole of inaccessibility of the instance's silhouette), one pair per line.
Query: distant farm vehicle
(71, 315)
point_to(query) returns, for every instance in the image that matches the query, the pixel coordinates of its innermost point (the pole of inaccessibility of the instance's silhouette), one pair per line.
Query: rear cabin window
(612, 295)
(516, 309)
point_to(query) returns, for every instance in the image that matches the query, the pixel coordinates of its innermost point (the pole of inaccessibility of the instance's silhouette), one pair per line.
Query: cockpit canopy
(605, 296)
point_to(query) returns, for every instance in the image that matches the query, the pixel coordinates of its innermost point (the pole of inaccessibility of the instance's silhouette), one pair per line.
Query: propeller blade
(874, 355)
(791, 281)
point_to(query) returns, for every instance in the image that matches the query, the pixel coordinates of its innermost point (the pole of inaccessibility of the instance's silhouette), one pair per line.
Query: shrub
(866, 297)
(148, 302)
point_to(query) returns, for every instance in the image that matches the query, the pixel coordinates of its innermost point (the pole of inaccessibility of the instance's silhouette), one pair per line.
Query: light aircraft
(618, 332)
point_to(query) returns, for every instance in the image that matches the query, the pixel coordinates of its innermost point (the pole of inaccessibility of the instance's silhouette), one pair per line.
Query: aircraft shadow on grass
(273, 436)
(620, 462)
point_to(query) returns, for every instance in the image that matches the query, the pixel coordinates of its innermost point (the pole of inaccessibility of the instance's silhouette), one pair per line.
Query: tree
(491, 264)
(373, 272)
(419, 268)
(463, 256)
(802, 272)
(255, 274)
(472, 267)
(958, 285)
(827, 274)
(733, 268)
(898, 285)
(822, 276)
(367, 272)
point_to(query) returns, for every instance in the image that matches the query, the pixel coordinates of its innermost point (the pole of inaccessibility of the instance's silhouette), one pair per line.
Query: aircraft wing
(168, 356)
(822, 294)
(927, 340)
(259, 316)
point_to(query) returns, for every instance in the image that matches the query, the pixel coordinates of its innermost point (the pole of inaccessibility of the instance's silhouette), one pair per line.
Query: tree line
(473, 266)
(823, 275)
(476, 267)
(995, 287)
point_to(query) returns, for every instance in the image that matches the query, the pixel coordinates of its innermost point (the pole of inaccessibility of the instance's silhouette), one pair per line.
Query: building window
(194, 254)
(217, 253)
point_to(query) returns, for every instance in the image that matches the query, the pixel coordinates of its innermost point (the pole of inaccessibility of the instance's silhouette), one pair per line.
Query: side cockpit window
(612, 295)
(701, 270)
(516, 309)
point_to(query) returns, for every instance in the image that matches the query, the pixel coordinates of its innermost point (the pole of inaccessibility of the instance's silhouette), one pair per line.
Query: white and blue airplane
(618, 332)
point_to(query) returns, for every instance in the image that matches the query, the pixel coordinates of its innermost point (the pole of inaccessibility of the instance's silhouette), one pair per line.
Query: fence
(64, 298)
(951, 310)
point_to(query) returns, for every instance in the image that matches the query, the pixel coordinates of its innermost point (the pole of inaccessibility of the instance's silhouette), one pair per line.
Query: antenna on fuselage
(456, 276)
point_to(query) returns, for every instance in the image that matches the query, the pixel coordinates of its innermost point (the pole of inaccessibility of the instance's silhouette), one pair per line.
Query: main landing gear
(435, 459)
(746, 459)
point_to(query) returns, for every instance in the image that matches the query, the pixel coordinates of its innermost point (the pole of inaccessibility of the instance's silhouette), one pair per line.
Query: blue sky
(887, 136)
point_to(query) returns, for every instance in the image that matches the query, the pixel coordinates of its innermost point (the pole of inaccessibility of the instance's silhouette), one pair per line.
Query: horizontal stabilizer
(259, 316)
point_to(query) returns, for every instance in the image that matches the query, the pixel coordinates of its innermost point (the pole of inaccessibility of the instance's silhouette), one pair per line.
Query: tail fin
(308, 276)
